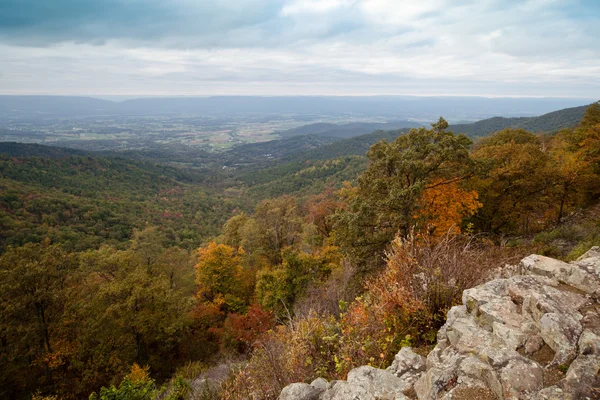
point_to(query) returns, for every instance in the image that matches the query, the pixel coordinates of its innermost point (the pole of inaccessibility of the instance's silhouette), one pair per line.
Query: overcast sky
(277, 47)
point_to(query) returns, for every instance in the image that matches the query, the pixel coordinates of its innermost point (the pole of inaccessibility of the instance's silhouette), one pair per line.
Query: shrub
(136, 386)
(298, 352)
(240, 331)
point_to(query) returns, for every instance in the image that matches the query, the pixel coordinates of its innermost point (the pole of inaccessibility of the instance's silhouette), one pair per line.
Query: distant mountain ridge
(347, 130)
(547, 123)
(396, 107)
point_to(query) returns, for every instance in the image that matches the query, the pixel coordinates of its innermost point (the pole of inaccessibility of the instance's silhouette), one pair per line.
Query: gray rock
(482, 372)
(347, 391)
(507, 336)
(433, 382)
(487, 346)
(533, 344)
(465, 384)
(521, 377)
(583, 274)
(593, 252)
(551, 393)
(300, 391)
(546, 266)
(380, 383)
(561, 332)
(406, 360)
(320, 384)
(583, 377)
(589, 343)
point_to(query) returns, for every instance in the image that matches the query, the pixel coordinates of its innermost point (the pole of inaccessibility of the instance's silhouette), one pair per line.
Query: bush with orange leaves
(403, 305)
(240, 331)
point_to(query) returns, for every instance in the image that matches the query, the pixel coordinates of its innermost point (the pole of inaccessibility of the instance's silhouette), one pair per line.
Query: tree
(137, 385)
(515, 182)
(575, 162)
(129, 315)
(320, 209)
(442, 208)
(233, 230)
(280, 224)
(278, 287)
(221, 278)
(388, 192)
(148, 245)
(35, 284)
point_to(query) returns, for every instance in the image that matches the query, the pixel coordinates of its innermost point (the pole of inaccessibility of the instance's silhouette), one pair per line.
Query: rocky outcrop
(534, 335)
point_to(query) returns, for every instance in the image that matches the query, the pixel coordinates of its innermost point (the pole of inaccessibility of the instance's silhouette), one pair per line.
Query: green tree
(127, 313)
(515, 183)
(280, 224)
(278, 288)
(388, 192)
(35, 284)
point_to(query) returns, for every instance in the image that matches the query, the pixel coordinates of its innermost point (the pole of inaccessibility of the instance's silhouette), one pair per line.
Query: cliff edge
(533, 335)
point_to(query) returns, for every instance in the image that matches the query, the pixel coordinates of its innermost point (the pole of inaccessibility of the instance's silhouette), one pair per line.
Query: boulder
(583, 377)
(521, 377)
(407, 361)
(320, 384)
(382, 384)
(434, 382)
(347, 391)
(300, 391)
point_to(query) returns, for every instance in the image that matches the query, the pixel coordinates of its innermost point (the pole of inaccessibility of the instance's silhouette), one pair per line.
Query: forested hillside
(83, 202)
(132, 276)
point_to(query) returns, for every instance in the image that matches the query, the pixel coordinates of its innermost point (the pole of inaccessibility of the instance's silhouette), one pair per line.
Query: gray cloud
(488, 47)
(42, 22)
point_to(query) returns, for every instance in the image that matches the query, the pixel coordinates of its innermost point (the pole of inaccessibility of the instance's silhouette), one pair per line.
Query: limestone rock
(320, 384)
(521, 377)
(483, 372)
(300, 391)
(434, 382)
(407, 360)
(551, 393)
(347, 391)
(583, 377)
(533, 344)
(583, 274)
(382, 384)
(593, 253)
(589, 343)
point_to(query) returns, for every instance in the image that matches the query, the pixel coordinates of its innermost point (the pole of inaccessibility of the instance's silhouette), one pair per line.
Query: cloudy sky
(277, 47)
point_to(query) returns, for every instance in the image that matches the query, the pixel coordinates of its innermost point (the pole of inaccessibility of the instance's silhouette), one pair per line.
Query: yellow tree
(222, 280)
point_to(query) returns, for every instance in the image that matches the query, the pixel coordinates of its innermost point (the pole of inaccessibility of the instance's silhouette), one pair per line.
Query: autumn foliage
(443, 206)
(302, 286)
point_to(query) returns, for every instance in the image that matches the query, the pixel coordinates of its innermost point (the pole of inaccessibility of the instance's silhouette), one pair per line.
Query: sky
(539, 48)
